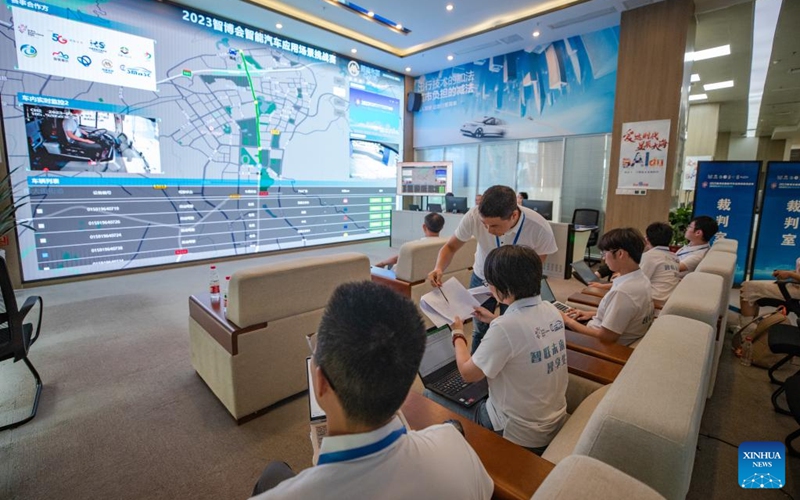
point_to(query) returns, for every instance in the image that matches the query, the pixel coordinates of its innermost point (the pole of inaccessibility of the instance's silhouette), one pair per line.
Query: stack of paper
(459, 302)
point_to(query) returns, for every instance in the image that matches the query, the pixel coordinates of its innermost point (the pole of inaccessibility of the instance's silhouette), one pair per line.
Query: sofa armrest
(401, 287)
(592, 346)
(211, 317)
(592, 368)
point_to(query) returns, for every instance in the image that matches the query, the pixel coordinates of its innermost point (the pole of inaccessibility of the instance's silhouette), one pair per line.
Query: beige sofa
(253, 356)
(646, 423)
(579, 477)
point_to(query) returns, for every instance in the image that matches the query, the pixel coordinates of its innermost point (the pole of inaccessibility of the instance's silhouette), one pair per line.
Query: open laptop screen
(584, 272)
(547, 292)
(438, 351)
(314, 409)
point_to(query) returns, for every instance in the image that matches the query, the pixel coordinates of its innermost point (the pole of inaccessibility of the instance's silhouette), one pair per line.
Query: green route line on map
(264, 183)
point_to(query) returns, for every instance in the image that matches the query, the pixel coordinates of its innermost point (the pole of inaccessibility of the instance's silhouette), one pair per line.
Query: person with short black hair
(522, 195)
(699, 232)
(658, 263)
(626, 311)
(496, 222)
(432, 225)
(369, 347)
(523, 355)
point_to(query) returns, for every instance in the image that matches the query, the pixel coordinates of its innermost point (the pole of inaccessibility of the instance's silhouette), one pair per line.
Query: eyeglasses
(603, 253)
(311, 339)
(690, 227)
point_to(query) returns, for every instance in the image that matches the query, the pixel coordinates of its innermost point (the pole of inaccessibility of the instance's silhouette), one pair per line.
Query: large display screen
(149, 133)
(423, 178)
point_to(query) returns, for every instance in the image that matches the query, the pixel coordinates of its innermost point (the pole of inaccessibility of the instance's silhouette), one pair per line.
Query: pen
(443, 295)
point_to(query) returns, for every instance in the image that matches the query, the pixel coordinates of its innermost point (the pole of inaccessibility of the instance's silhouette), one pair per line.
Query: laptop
(548, 296)
(435, 207)
(316, 415)
(584, 273)
(439, 372)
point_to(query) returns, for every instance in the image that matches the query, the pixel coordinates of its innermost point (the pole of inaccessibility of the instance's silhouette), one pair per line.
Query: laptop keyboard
(561, 306)
(450, 384)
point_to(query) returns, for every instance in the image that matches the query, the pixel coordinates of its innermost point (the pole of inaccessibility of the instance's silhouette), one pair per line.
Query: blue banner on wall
(776, 242)
(726, 191)
(558, 89)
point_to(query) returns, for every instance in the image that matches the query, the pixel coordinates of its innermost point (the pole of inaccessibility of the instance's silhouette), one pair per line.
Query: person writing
(369, 347)
(626, 311)
(498, 221)
(523, 355)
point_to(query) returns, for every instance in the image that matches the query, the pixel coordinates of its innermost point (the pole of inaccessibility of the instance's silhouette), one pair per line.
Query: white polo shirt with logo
(691, 256)
(662, 268)
(531, 230)
(392, 463)
(524, 358)
(627, 309)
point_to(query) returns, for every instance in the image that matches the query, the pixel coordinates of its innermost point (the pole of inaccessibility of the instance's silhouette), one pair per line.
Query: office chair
(588, 217)
(15, 336)
(782, 339)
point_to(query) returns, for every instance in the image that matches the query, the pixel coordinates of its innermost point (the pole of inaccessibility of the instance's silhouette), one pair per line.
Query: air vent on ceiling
(635, 4)
(477, 47)
(585, 17)
(511, 39)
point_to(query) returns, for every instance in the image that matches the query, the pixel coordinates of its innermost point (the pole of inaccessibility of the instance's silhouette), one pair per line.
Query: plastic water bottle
(227, 285)
(747, 351)
(213, 284)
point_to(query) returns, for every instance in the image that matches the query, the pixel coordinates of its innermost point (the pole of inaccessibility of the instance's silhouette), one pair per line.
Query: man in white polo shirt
(699, 232)
(369, 347)
(497, 221)
(626, 311)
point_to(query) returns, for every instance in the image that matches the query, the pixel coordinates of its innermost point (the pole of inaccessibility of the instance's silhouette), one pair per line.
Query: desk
(592, 368)
(516, 472)
(586, 344)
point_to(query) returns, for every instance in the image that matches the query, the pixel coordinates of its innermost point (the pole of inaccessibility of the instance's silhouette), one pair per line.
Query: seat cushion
(784, 339)
(562, 445)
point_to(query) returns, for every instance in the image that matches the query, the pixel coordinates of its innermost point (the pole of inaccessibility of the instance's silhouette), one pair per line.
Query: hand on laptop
(575, 316)
(483, 315)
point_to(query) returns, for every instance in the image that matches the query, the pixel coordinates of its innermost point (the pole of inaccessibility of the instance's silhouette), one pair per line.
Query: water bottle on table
(213, 284)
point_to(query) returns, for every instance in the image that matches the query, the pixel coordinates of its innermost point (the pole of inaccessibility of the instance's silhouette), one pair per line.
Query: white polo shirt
(627, 308)
(662, 268)
(691, 256)
(531, 230)
(432, 463)
(524, 358)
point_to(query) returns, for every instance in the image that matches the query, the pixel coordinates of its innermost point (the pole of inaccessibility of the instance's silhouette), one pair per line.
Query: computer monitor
(544, 207)
(455, 204)
(434, 207)
(414, 207)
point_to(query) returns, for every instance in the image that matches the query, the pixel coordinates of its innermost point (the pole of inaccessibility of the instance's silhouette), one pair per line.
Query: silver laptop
(316, 415)
(548, 296)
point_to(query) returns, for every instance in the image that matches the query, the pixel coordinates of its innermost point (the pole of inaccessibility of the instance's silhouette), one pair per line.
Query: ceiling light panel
(370, 15)
(698, 97)
(701, 55)
(719, 85)
(695, 78)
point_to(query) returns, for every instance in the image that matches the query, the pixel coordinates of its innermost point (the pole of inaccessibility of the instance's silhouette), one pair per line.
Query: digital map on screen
(148, 133)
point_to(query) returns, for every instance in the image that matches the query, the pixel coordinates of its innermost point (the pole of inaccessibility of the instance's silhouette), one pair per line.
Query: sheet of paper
(481, 293)
(460, 302)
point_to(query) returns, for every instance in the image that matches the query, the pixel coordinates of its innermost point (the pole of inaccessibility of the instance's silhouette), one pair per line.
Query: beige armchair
(252, 356)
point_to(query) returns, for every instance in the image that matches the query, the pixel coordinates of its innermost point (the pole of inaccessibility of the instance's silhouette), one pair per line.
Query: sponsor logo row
(85, 60)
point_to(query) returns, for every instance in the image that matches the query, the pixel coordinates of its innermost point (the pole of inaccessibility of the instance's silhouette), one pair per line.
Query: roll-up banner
(726, 191)
(776, 240)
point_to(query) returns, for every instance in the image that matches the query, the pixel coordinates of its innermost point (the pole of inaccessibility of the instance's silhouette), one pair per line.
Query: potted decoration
(679, 218)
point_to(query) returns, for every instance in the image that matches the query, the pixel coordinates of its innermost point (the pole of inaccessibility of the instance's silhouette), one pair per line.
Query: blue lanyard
(519, 231)
(702, 247)
(362, 451)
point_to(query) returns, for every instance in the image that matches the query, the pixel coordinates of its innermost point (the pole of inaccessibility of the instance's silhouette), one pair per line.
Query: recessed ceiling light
(695, 77)
(279, 26)
(700, 55)
(698, 97)
(408, 68)
(450, 58)
(536, 33)
(371, 14)
(353, 50)
(399, 26)
(449, 7)
(719, 85)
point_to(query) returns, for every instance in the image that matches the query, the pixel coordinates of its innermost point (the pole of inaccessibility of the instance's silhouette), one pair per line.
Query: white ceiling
(477, 29)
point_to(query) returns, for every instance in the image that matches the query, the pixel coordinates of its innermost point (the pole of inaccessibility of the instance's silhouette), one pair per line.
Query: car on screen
(488, 126)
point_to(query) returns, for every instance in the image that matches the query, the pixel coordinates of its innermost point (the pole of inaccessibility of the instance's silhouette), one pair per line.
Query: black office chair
(782, 339)
(588, 217)
(15, 336)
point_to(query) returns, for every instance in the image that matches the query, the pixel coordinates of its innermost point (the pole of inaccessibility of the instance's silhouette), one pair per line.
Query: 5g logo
(58, 38)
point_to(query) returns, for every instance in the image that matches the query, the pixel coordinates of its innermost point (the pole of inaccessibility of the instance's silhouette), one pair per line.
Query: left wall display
(148, 133)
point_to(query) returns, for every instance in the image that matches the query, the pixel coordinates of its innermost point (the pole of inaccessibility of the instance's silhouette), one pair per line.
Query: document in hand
(442, 311)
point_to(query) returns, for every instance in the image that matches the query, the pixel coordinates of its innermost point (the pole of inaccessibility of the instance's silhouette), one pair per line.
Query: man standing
(370, 345)
(496, 222)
